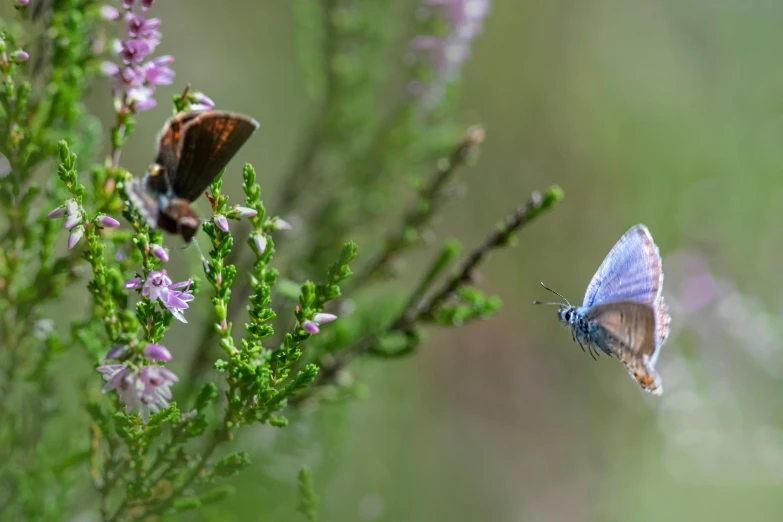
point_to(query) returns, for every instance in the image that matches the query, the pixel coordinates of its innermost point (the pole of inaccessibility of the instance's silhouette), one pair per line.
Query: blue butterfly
(623, 313)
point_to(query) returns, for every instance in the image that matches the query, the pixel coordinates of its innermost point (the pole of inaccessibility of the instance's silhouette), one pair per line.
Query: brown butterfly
(623, 312)
(193, 147)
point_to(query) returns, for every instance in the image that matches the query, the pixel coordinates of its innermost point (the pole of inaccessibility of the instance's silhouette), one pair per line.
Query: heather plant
(94, 421)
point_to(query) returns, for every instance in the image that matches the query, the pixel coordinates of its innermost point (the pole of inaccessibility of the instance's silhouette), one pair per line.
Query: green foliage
(147, 456)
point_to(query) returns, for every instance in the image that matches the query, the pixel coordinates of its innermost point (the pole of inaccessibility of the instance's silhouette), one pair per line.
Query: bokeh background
(667, 113)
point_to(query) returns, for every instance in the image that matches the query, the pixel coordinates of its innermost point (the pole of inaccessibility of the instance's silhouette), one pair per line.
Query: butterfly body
(623, 313)
(193, 147)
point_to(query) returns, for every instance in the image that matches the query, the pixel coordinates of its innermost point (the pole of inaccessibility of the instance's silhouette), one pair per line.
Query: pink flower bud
(56, 213)
(72, 221)
(321, 318)
(21, 3)
(260, 240)
(246, 211)
(75, 236)
(281, 224)
(159, 252)
(222, 222)
(157, 352)
(201, 102)
(108, 221)
(114, 352)
(109, 13)
(310, 327)
(109, 68)
(20, 56)
(132, 284)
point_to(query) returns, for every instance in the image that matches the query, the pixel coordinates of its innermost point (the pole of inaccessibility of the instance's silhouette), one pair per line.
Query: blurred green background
(662, 112)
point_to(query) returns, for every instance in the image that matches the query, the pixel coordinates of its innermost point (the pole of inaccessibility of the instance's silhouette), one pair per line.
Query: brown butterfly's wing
(628, 331)
(195, 146)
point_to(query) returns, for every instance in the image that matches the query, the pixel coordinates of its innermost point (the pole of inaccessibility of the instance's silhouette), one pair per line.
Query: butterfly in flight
(623, 312)
(193, 147)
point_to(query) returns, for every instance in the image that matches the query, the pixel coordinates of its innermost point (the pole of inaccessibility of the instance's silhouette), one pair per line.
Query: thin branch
(427, 204)
(422, 309)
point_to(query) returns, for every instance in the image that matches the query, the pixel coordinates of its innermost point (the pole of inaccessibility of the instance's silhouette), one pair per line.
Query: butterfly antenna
(204, 261)
(559, 295)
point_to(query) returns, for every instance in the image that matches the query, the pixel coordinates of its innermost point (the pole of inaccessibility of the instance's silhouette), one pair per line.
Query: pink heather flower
(158, 287)
(132, 284)
(75, 236)
(109, 13)
(157, 71)
(56, 213)
(128, 4)
(159, 252)
(321, 318)
(21, 3)
(201, 102)
(310, 327)
(141, 98)
(107, 221)
(281, 224)
(146, 4)
(246, 211)
(157, 352)
(222, 222)
(109, 68)
(145, 391)
(135, 50)
(260, 240)
(139, 27)
(20, 56)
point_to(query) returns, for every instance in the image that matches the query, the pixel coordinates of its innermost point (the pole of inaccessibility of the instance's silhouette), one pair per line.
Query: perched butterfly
(623, 312)
(193, 147)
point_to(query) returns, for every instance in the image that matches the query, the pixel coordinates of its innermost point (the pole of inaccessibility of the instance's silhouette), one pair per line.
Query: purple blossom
(201, 102)
(135, 81)
(446, 55)
(135, 50)
(132, 284)
(146, 29)
(109, 68)
(107, 221)
(75, 236)
(158, 286)
(310, 327)
(159, 252)
(260, 240)
(222, 222)
(109, 13)
(157, 352)
(146, 4)
(21, 3)
(20, 56)
(158, 72)
(145, 390)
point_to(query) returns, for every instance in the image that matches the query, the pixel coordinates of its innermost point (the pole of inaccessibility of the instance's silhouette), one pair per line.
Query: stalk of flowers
(143, 385)
(446, 53)
(135, 78)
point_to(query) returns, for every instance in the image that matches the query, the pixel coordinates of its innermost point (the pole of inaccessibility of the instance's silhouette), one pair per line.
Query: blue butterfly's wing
(631, 271)
(628, 331)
